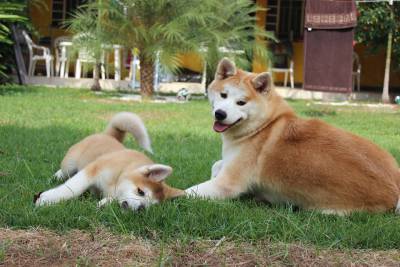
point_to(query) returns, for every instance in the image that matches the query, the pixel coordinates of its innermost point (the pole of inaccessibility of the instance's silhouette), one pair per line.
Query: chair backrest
(282, 55)
(57, 42)
(29, 43)
(85, 55)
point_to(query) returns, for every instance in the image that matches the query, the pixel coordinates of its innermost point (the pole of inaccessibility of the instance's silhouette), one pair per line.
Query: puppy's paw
(43, 198)
(36, 197)
(105, 201)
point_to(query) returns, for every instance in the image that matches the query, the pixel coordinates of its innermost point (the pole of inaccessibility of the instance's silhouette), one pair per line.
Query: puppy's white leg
(73, 187)
(104, 201)
(216, 168)
(397, 211)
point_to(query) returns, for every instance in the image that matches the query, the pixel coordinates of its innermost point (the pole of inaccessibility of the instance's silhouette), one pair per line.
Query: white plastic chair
(287, 71)
(356, 74)
(85, 56)
(35, 56)
(60, 60)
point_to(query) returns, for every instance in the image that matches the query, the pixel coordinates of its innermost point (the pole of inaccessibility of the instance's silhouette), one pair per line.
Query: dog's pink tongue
(219, 127)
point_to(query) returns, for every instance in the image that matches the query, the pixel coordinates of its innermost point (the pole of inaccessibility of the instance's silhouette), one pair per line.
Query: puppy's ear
(156, 172)
(262, 82)
(225, 69)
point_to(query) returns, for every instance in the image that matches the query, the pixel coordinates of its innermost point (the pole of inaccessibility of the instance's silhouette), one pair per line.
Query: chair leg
(286, 77)
(47, 68)
(78, 68)
(62, 68)
(30, 73)
(358, 82)
(57, 68)
(103, 72)
(51, 68)
(66, 74)
(291, 80)
(33, 68)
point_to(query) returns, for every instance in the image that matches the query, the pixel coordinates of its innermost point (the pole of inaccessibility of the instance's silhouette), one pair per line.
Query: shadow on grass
(15, 89)
(30, 156)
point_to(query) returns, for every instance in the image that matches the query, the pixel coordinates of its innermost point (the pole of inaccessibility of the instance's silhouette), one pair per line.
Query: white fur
(398, 207)
(216, 168)
(208, 189)
(127, 191)
(129, 122)
(124, 190)
(73, 187)
(334, 212)
(229, 104)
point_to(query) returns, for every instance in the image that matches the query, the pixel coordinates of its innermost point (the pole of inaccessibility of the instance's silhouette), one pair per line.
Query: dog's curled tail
(124, 122)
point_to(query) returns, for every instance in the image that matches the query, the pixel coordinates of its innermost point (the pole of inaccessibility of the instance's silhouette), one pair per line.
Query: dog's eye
(224, 95)
(140, 192)
(241, 103)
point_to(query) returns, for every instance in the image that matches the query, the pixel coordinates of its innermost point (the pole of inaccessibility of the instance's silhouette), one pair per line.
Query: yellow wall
(41, 18)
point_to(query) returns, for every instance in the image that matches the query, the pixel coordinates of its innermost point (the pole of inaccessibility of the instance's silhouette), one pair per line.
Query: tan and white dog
(282, 158)
(101, 162)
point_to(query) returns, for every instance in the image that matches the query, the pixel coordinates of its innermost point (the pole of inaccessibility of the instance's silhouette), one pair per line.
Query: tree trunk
(385, 93)
(146, 77)
(96, 78)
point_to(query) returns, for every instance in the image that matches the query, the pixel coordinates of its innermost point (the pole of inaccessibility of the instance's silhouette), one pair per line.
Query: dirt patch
(208, 253)
(45, 248)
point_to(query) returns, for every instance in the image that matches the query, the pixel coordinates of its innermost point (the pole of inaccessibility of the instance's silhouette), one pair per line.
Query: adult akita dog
(282, 158)
(101, 162)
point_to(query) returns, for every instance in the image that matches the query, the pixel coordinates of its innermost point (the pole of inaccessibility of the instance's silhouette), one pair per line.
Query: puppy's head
(238, 98)
(145, 186)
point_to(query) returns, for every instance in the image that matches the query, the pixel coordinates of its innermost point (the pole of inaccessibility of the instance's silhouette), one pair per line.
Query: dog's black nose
(220, 115)
(141, 207)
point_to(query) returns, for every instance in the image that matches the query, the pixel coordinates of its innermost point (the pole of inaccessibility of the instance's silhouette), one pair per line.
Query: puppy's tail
(124, 122)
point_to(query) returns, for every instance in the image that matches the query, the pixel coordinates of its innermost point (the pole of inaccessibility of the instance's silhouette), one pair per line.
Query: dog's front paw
(43, 198)
(59, 175)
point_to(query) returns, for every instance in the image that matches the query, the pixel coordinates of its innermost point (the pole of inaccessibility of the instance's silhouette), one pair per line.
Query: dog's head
(239, 99)
(145, 186)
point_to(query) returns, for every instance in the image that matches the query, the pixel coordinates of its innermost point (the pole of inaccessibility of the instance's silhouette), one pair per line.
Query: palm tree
(90, 36)
(166, 29)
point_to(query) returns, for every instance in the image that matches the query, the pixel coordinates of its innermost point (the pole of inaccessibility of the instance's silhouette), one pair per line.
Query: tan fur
(101, 162)
(308, 163)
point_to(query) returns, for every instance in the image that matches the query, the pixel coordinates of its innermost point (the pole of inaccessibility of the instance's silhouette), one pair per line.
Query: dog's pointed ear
(156, 172)
(262, 82)
(225, 69)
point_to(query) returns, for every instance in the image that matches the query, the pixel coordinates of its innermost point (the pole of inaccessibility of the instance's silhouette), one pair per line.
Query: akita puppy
(101, 162)
(282, 158)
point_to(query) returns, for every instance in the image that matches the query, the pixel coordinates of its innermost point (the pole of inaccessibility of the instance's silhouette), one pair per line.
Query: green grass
(38, 125)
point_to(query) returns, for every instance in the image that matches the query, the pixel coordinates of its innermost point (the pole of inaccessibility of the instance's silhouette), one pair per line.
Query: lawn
(38, 125)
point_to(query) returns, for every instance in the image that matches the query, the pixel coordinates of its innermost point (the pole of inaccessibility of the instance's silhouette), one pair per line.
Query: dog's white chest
(230, 152)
